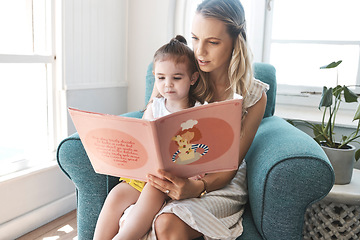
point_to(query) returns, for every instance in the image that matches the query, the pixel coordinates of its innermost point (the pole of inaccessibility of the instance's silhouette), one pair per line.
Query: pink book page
(117, 146)
(202, 139)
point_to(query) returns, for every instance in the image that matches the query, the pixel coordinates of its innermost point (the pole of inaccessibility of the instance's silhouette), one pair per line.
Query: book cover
(187, 143)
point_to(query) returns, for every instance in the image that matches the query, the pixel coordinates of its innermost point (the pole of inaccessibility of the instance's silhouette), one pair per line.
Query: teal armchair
(287, 171)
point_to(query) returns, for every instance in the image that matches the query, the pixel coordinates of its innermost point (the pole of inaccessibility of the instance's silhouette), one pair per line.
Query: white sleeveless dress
(159, 108)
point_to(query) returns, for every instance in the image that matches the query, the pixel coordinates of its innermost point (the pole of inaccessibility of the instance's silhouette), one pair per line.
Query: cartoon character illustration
(187, 151)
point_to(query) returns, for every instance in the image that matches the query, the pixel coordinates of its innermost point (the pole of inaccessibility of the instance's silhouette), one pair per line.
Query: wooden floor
(63, 228)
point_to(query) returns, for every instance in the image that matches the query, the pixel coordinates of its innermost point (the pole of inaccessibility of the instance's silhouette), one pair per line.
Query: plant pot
(342, 161)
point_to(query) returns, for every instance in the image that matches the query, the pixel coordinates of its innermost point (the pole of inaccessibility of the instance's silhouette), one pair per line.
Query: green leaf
(318, 133)
(331, 65)
(291, 122)
(349, 95)
(357, 154)
(357, 113)
(337, 91)
(326, 98)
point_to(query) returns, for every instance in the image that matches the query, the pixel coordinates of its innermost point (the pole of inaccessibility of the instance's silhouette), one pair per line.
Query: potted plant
(340, 152)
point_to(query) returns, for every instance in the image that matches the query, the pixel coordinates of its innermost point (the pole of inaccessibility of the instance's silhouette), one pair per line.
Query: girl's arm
(181, 188)
(148, 114)
(155, 92)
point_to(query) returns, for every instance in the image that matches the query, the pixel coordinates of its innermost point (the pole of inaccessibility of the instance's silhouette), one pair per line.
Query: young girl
(220, 47)
(176, 77)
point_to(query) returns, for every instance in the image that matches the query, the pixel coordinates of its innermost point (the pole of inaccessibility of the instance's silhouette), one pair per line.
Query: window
(302, 36)
(27, 75)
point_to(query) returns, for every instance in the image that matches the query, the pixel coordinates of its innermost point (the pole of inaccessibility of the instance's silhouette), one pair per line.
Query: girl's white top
(159, 107)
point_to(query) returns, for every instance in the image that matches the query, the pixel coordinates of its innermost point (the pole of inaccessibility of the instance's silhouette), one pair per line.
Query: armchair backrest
(262, 71)
(266, 73)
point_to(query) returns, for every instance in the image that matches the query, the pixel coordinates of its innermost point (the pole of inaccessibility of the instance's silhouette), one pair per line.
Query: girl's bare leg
(140, 218)
(119, 198)
(168, 226)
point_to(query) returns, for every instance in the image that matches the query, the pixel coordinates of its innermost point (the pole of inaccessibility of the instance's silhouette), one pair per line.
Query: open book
(187, 143)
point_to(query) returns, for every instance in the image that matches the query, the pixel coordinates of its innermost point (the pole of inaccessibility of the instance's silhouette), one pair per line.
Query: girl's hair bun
(177, 39)
(181, 39)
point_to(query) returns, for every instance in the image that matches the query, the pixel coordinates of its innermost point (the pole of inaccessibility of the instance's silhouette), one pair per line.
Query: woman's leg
(119, 198)
(168, 226)
(139, 220)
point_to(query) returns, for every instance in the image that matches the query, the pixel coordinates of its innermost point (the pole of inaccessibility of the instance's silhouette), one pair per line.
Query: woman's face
(212, 44)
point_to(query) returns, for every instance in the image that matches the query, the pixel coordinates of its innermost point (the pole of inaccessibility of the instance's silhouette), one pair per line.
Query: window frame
(308, 96)
(48, 58)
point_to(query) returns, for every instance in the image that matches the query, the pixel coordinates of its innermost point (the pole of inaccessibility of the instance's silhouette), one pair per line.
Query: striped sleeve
(174, 156)
(255, 93)
(203, 146)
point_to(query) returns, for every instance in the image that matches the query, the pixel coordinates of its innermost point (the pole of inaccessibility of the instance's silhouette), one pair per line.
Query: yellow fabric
(138, 185)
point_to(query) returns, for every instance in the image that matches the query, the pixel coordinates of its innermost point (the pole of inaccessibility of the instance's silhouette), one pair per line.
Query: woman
(220, 47)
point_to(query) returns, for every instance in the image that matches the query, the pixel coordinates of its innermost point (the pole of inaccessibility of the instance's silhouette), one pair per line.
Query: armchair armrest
(287, 171)
(91, 188)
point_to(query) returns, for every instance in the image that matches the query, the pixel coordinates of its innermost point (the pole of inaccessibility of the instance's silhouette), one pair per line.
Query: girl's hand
(175, 187)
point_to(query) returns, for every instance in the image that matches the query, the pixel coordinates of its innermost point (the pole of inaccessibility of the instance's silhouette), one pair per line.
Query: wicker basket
(328, 220)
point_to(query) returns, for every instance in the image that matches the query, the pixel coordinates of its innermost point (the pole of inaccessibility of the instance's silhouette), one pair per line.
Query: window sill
(313, 114)
(29, 171)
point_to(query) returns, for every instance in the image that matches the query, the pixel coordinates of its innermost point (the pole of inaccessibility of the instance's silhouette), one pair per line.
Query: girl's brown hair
(178, 51)
(231, 12)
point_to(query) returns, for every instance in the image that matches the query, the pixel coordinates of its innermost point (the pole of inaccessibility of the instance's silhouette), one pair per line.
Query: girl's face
(212, 44)
(174, 80)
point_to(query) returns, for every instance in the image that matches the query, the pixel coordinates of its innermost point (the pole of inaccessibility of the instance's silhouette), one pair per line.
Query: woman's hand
(176, 188)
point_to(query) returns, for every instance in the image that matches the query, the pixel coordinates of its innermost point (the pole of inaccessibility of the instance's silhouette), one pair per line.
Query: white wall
(95, 56)
(94, 44)
(32, 199)
(149, 28)
(104, 100)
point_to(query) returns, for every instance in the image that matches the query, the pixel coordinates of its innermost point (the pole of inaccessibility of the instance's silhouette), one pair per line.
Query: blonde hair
(240, 73)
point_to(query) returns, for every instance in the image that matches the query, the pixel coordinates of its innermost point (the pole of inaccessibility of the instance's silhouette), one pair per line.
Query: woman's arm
(251, 124)
(181, 188)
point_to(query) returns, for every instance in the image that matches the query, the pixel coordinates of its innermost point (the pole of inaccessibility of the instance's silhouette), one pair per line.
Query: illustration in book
(188, 152)
(187, 143)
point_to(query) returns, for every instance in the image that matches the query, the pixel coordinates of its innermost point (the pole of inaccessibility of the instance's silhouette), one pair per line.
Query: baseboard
(34, 219)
